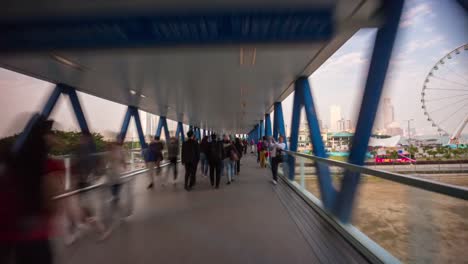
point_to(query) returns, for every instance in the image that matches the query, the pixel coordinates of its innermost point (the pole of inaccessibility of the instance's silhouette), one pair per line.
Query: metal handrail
(124, 176)
(425, 184)
(97, 153)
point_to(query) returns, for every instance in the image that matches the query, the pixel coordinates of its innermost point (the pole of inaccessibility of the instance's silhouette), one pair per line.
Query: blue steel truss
(278, 123)
(180, 131)
(267, 125)
(132, 111)
(49, 107)
(340, 202)
(163, 124)
(75, 102)
(303, 97)
(380, 60)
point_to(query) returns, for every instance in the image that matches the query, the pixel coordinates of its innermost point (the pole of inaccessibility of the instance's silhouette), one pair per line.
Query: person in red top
(29, 181)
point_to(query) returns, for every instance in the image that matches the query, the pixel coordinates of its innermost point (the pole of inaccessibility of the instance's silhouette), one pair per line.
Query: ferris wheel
(444, 95)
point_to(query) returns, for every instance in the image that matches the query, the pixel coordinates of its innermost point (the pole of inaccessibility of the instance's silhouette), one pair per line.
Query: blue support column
(52, 101)
(327, 190)
(133, 111)
(375, 81)
(75, 102)
(295, 122)
(278, 123)
(141, 136)
(262, 129)
(267, 125)
(125, 123)
(180, 131)
(166, 129)
(77, 109)
(162, 124)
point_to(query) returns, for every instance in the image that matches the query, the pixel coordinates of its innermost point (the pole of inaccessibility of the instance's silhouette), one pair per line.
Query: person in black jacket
(215, 158)
(190, 158)
(240, 149)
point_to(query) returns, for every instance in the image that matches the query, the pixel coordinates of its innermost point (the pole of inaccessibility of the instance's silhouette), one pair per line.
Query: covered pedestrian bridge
(222, 67)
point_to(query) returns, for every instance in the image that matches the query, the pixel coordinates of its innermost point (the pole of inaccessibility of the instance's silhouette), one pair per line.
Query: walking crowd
(30, 179)
(214, 156)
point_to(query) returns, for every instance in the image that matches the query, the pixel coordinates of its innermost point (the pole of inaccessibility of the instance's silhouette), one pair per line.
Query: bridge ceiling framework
(224, 79)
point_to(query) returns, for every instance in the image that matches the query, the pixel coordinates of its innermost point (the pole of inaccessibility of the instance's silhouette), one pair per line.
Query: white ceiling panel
(218, 87)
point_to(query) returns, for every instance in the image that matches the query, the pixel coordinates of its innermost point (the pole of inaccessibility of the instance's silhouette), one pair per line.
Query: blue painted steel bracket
(261, 129)
(374, 85)
(268, 125)
(162, 124)
(49, 107)
(278, 123)
(180, 131)
(168, 29)
(303, 97)
(75, 102)
(133, 111)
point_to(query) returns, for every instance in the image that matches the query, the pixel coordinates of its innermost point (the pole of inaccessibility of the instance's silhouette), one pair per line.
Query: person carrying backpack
(215, 157)
(277, 157)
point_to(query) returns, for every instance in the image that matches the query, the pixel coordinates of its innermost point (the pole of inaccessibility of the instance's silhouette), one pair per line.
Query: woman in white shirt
(276, 157)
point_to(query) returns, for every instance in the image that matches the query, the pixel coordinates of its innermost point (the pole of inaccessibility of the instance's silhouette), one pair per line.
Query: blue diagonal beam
(327, 190)
(267, 125)
(375, 81)
(52, 101)
(75, 102)
(136, 117)
(278, 123)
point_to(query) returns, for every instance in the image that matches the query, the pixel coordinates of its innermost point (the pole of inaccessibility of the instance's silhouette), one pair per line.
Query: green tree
(457, 152)
(412, 151)
(432, 152)
(68, 141)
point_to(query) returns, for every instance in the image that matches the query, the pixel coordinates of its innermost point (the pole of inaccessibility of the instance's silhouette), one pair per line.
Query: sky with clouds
(429, 29)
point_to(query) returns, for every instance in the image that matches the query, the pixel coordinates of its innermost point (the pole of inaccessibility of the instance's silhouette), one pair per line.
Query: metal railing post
(301, 164)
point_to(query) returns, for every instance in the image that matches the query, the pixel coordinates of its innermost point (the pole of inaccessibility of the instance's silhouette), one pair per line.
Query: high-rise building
(335, 115)
(388, 112)
(151, 125)
(344, 125)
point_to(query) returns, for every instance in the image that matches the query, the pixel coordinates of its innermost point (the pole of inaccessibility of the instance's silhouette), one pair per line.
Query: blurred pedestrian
(203, 155)
(79, 209)
(239, 148)
(173, 154)
(263, 151)
(150, 163)
(29, 180)
(215, 157)
(230, 158)
(190, 158)
(277, 157)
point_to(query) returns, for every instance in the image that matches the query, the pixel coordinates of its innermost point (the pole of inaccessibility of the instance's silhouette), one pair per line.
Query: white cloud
(417, 44)
(428, 29)
(346, 60)
(410, 16)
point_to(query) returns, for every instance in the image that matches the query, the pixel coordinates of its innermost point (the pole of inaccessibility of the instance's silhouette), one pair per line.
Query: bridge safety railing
(95, 198)
(396, 218)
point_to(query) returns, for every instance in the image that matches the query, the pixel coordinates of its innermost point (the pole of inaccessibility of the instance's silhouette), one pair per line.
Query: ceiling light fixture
(133, 92)
(67, 62)
(142, 96)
